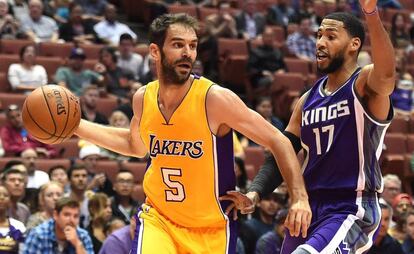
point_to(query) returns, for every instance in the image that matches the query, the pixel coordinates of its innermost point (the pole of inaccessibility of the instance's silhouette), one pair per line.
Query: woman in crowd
(58, 174)
(11, 230)
(101, 212)
(399, 35)
(49, 194)
(26, 75)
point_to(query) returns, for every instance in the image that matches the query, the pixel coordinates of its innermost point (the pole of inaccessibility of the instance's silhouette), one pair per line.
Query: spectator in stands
(303, 43)
(264, 61)
(392, 188)
(58, 174)
(19, 8)
(241, 175)
(389, 4)
(118, 81)
(408, 244)
(8, 25)
(38, 27)
(123, 206)
(26, 75)
(13, 180)
(75, 77)
(384, 243)
(220, 25)
(271, 242)
(15, 138)
(36, 177)
(120, 120)
(265, 109)
(12, 231)
(364, 58)
(150, 72)
(101, 212)
(94, 9)
(402, 203)
(89, 105)
(113, 225)
(126, 107)
(78, 178)
(250, 23)
(128, 60)
(120, 241)
(280, 13)
(263, 222)
(109, 30)
(90, 154)
(49, 194)
(399, 36)
(402, 96)
(77, 29)
(60, 234)
(61, 10)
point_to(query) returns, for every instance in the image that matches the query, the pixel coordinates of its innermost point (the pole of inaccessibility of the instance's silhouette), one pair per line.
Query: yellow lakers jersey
(189, 166)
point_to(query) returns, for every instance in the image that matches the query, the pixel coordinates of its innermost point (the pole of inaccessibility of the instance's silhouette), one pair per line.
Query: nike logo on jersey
(322, 114)
(194, 149)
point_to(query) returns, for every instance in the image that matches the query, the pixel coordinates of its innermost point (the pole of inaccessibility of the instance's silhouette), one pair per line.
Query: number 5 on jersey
(176, 192)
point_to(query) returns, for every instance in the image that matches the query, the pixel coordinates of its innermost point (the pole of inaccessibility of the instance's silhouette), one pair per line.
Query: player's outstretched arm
(380, 77)
(120, 140)
(226, 108)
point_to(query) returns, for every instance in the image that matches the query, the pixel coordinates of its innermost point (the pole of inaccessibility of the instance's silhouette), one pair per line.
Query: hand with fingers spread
(246, 203)
(299, 218)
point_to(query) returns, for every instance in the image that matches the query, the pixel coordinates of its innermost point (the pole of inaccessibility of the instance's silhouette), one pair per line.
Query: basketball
(51, 114)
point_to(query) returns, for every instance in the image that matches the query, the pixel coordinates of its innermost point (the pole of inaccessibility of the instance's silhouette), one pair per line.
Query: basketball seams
(50, 112)
(67, 115)
(40, 127)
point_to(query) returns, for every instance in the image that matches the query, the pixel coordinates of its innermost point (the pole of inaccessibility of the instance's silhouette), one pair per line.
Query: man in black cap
(75, 77)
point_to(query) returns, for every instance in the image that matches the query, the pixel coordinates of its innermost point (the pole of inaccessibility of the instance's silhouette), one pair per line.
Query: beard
(336, 63)
(170, 74)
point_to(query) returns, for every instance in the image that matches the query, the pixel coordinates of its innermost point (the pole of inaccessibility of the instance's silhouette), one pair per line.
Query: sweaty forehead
(180, 31)
(331, 24)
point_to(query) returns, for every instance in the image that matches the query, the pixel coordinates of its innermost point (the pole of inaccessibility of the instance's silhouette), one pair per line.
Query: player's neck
(339, 77)
(169, 95)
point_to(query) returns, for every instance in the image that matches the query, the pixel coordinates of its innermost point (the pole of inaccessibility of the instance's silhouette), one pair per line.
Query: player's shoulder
(219, 95)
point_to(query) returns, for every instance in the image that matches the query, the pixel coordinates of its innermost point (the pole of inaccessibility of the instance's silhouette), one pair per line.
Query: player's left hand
(368, 5)
(299, 218)
(240, 201)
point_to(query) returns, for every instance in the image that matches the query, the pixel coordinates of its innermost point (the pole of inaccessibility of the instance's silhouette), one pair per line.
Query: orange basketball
(51, 114)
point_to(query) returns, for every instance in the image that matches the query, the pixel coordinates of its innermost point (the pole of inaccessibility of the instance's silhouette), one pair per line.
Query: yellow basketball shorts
(155, 234)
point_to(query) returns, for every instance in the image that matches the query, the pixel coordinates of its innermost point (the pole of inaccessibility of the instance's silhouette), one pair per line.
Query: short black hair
(352, 25)
(11, 171)
(110, 51)
(158, 28)
(75, 167)
(53, 168)
(66, 202)
(125, 37)
(12, 163)
(23, 49)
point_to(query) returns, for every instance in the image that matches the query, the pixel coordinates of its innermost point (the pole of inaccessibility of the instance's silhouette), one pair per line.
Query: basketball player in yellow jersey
(185, 123)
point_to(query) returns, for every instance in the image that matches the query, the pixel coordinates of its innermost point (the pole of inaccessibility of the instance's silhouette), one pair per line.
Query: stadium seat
(389, 13)
(279, 33)
(7, 99)
(12, 47)
(255, 156)
(109, 167)
(297, 65)
(189, 9)
(46, 164)
(51, 64)
(250, 171)
(90, 64)
(232, 47)
(410, 143)
(91, 50)
(3, 119)
(233, 56)
(399, 125)
(204, 12)
(294, 82)
(407, 4)
(137, 168)
(51, 49)
(395, 143)
(69, 148)
(107, 105)
(6, 61)
(4, 83)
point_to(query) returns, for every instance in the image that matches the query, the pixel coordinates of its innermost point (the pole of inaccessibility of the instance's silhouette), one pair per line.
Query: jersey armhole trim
(142, 112)
(371, 117)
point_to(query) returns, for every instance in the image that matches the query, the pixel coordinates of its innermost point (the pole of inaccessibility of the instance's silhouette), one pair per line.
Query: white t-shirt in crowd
(37, 179)
(34, 77)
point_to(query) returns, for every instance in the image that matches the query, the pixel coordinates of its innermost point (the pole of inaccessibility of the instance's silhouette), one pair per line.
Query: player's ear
(355, 44)
(154, 51)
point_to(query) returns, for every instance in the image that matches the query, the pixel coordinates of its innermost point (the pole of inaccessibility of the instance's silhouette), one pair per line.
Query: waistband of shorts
(341, 195)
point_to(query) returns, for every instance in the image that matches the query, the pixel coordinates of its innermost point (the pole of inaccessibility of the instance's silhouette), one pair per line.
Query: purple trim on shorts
(233, 236)
(134, 248)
